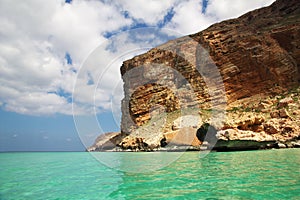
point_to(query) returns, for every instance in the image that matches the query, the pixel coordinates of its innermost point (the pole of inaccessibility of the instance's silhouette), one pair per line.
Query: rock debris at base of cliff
(233, 86)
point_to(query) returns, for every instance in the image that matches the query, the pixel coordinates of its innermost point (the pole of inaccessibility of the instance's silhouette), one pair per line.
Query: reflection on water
(138, 162)
(270, 174)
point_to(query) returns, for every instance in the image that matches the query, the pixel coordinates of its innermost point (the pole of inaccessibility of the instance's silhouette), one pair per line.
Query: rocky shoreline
(223, 146)
(250, 124)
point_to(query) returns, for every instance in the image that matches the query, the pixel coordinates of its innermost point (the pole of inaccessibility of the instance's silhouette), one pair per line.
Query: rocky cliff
(234, 76)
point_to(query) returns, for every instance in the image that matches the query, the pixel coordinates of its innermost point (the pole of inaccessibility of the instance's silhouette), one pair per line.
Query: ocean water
(269, 174)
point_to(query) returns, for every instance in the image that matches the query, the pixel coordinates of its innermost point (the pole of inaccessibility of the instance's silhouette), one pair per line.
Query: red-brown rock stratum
(232, 86)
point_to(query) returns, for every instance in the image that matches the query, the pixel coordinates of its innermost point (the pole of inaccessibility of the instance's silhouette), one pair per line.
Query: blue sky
(60, 84)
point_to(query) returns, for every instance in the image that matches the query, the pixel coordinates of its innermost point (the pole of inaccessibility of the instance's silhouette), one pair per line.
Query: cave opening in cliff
(207, 133)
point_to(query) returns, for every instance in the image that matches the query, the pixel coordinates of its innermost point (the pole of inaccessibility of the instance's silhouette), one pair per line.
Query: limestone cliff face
(255, 53)
(245, 70)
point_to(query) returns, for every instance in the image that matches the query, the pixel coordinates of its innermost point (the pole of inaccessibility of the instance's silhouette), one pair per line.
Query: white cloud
(147, 11)
(189, 18)
(34, 39)
(35, 35)
(226, 9)
(78, 26)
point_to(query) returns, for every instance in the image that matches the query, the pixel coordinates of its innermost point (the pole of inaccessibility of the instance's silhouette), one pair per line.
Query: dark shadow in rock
(207, 133)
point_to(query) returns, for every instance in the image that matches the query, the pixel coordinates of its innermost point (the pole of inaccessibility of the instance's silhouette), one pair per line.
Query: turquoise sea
(269, 174)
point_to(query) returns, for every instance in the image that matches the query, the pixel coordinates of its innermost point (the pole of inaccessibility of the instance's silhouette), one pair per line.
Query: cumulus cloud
(34, 39)
(150, 12)
(38, 79)
(192, 16)
(189, 18)
(226, 9)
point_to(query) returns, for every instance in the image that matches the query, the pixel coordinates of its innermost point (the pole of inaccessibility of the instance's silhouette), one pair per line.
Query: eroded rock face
(133, 143)
(185, 136)
(240, 69)
(285, 102)
(252, 54)
(259, 130)
(107, 141)
(186, 121)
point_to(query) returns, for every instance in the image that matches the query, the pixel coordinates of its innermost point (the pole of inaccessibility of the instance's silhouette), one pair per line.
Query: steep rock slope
(236, 65)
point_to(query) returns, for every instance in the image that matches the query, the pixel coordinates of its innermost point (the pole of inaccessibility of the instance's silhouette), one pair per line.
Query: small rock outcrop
(107, 141)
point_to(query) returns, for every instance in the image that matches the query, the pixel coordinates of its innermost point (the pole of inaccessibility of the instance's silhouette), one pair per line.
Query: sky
(60, 82)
